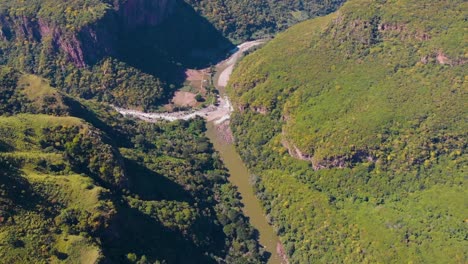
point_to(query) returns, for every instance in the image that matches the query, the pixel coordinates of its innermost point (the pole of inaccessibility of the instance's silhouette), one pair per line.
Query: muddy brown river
(239, 174)
(240, 177)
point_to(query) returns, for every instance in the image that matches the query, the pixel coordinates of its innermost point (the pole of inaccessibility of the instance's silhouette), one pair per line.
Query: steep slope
(134, 53)
(76, 45)
(81, 184)
(85, 31)
(361, 127)
(241, 20)
(131, 53)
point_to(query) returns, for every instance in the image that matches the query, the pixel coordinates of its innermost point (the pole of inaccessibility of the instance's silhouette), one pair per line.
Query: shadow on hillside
(5, 147)
(135, 232)
(211, 234)
(16, 192)
(79, 110)
(184, 40)
(149, 185)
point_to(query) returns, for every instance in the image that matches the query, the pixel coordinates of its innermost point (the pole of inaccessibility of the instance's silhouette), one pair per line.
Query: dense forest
(359, 146)
(240, 19)
(79, 183)
(128, 53)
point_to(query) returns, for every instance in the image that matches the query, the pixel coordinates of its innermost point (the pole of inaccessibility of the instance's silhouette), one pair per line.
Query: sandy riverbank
(218, 113)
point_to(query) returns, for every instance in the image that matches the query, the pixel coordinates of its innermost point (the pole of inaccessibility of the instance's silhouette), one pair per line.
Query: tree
(199, 98)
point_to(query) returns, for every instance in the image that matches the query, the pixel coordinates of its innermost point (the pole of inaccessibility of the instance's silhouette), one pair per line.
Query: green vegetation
(71, 14)
(358, 149)
(109, 80)
(241, 20)
(70, 43)
(28, 93)
(359, 144)
(99, 49)
(92, 50)
(84, 185)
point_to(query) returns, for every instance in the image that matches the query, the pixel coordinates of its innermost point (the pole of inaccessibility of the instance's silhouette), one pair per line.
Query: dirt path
(227, 66)
(210, 113)
(217, 113)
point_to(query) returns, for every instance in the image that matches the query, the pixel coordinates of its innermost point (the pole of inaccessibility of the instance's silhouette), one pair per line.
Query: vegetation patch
(90, 186)
(359, 123)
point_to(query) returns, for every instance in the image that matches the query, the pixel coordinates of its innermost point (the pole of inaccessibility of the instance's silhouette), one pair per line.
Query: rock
(90, 43)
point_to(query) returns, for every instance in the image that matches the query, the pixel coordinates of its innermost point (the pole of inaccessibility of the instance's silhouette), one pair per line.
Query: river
(239, 175)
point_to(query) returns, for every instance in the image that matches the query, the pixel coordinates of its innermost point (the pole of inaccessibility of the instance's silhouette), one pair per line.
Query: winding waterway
(240, 177)
(239, 174)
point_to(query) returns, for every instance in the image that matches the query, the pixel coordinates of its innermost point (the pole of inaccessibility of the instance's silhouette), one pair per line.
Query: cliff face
(91, 42)
(84, 47)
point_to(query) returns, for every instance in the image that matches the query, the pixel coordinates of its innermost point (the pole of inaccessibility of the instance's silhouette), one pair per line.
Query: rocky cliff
(84, 43)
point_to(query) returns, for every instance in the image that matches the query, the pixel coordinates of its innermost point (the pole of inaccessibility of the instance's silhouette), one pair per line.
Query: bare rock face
(339, 162)
(68, 43)
(90, 43)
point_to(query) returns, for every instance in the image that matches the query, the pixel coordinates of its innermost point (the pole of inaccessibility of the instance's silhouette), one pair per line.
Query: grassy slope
(367, 89)
(48, 193)
(39, 91)
(348, 90)
(74, 192)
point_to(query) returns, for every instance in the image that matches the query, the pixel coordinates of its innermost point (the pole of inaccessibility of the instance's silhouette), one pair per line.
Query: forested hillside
(359, 144)
(134, 53)
(242, 19)
(130, 53)
(81, 184)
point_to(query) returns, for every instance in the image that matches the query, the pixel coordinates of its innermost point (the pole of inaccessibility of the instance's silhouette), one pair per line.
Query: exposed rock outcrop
(88, 44)
(441, 58)
(328, 162)
(402, 30)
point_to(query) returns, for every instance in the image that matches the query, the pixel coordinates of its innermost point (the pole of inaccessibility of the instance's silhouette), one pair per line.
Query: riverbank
(220, 135)
(218, 131)
(240, 177)
(219, 112)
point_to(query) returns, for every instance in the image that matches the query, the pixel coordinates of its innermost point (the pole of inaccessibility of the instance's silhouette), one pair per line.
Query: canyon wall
(88, 44)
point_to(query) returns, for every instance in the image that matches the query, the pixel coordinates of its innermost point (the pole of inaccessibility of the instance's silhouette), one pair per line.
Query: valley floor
(218, 112)
(219, 115)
